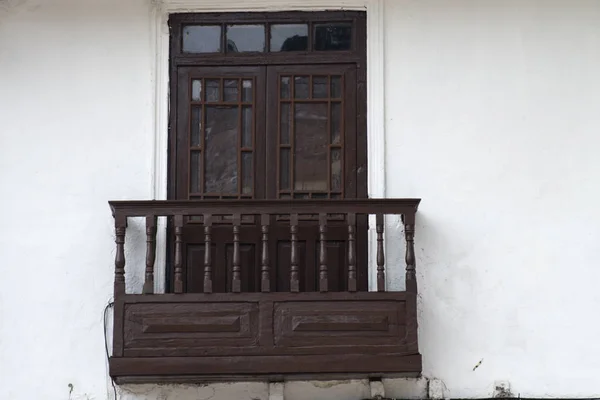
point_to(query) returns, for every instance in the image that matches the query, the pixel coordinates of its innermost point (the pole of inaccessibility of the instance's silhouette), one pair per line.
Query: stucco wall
(491, 118)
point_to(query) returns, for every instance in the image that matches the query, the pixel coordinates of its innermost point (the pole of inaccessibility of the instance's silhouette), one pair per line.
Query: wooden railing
(264, 210)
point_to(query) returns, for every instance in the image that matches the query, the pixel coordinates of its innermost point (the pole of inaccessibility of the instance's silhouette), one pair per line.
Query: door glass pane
(336, 122)
(213, 90)
(244, 38)
(195, 171)
(247, 126)
(201, 39)
(221, 143)
(197, 89)
(230, 90)
(301, 87)
(247, 90)
(284, 173)
(285, 124)
(336, 170)
(285, 87)
(289, 37)
(336, 87)
(320, 87)
(311, 147)
(333, 36)
(196, 126)
(247, 173)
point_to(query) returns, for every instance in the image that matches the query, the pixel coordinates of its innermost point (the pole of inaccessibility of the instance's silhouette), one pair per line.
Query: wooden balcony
(297, 330)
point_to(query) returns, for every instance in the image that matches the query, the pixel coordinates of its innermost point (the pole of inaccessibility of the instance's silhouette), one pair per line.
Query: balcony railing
(266, 333)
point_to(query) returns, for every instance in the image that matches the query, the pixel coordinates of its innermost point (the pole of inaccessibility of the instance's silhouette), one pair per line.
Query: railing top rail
(141, 208)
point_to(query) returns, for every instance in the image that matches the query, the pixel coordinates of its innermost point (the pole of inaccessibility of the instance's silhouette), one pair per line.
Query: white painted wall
(492, 114)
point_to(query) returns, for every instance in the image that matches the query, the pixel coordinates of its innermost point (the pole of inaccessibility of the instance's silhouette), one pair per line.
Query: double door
(269, 132)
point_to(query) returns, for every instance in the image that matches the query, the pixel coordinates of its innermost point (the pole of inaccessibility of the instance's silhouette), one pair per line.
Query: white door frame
(160, 76)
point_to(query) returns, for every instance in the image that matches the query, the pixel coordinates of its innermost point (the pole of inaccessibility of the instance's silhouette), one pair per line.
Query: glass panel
(247, 126)
(301, 87)
(201, 39)
(310, 151)
(285, 196)
(336, 87)
(196, 126)
(230, 88)
(195, 171)
(336, 122)
(285, 124)
(336, 169)
(247, 90)
(285, 87)
(289, 37)
(213, 89)
(247, 173)
(301, 195)
(284, 175)
(197, 89)
(242, 38)
(333, 36)
(319, 196)
(320, 87)
(221, 144)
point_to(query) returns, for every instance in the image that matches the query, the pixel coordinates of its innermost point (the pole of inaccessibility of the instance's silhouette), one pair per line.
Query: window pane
(285, 87)
(247, 173)
(196, 127)
(333, 36)
(243, 38)
(289, 37)
(284, 174)
(336, 122)
(231, 90)
(285, 124)
(320, 87)
(247, 126)
(195, 171)
(197, 89)
(310, 150)
(221, 143)
(336, 170)
(301, 87)
(247, 90)
(201, 39)
(213, 90)
(336, 87)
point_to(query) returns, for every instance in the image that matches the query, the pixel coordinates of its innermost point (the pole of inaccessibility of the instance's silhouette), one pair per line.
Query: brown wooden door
(277, 132)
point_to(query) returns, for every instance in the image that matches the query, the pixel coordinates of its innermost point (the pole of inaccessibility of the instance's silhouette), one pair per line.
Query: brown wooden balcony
(221, 327)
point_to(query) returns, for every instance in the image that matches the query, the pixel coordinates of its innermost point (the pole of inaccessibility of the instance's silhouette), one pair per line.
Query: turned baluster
(294, 281)
(178, 284)
(120, 228)
(150, 254)
(322, 253)
(265, 285)
(236, 285)
(351, 253)
(380, 254)
(409, 234)
(207, 254)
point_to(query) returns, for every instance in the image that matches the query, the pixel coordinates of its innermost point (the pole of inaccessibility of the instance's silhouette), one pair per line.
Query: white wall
(492, 114)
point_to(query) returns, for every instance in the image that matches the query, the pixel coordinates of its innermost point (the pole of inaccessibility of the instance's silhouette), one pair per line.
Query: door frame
(159, 68)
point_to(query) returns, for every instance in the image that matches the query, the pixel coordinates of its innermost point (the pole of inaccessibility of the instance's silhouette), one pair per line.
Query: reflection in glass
(311, 147)
(320, 87)
(247, 126)
(197, 89)
(213, 90)
(230, 87)
(246, 173)
(289, 37)
(284, 175)
(333, 36)
(285, 123)
(336, 122)
(201, 39)
(336, 87)
(301, 87)
(221, 140)
(196, 126)
(244, 38)
(336, 170)
(195, 171)
(247, 90)
(285, 87)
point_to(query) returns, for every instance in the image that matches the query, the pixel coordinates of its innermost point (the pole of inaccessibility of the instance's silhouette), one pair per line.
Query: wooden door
(276, 132)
